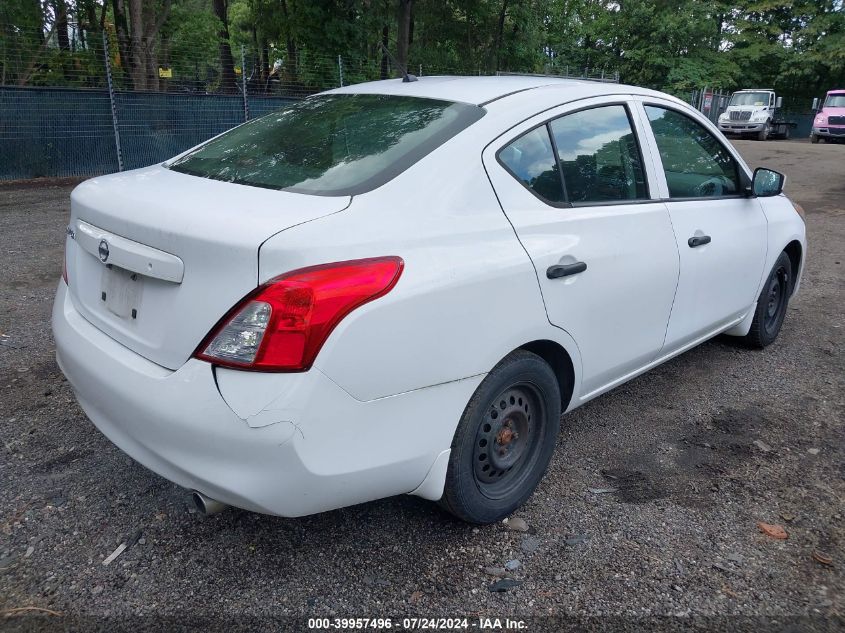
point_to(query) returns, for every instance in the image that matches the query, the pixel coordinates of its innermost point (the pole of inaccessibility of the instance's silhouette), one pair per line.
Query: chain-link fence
(709, 102)
(84, 102)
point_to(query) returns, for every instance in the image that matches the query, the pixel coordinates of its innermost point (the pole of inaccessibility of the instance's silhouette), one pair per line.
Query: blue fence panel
(60, 132)
(55, 132)
(259, 106)
(803, 124)
(156, 126)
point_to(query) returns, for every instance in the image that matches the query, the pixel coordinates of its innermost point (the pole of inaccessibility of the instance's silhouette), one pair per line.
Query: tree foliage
(796, 47)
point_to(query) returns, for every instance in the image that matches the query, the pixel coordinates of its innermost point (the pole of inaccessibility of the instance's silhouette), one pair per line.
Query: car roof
(477, 90)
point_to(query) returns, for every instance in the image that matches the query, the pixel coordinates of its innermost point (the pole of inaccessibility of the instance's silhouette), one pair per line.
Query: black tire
(772, 304)
(516, 410)
(786, 133)
(763, 134)
(814, 138)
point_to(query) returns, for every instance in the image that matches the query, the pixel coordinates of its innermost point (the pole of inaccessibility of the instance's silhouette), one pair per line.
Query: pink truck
(829, 123)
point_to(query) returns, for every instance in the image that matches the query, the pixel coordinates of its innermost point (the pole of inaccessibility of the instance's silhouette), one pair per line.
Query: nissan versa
(398, 287)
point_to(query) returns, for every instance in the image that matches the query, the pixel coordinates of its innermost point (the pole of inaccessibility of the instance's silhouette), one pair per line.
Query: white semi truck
(755, 113)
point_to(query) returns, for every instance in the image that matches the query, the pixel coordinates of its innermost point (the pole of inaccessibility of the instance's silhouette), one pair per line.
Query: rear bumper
(322, 450)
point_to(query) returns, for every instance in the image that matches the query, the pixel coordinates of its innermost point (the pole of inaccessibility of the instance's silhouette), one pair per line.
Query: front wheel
(763, 134)
(504, 441)
(772, 304)
(814, 138)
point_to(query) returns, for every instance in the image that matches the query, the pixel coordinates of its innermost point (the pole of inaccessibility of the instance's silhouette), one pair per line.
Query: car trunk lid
(158, 257)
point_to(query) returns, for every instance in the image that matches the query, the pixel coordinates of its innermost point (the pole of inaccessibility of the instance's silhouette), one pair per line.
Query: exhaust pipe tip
(207, 505)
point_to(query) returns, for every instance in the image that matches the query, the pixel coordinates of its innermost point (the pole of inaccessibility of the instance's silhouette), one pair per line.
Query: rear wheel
(772, 304)
(504, 441)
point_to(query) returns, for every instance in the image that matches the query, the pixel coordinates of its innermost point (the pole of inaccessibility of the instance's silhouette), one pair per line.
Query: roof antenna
(406, 76)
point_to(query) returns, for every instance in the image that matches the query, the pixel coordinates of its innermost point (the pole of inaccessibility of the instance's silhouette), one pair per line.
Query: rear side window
(332, 144)
(587, 157)
(599, 156)
(531, 160)
(695, 163)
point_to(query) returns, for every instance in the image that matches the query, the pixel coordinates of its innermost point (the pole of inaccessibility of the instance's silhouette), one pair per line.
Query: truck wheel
(814, 138)
(785, 135)
(763, 134)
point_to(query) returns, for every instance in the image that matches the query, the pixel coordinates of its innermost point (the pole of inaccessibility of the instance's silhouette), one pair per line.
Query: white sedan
(398, 287)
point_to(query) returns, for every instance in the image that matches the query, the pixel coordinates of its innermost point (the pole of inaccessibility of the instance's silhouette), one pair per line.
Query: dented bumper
(284, 444)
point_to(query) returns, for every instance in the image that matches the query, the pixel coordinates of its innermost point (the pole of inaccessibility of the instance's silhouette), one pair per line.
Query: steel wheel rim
(507, 441)
(776, 295)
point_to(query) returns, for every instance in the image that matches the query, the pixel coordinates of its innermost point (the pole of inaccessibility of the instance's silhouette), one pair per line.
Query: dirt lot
(699, 450)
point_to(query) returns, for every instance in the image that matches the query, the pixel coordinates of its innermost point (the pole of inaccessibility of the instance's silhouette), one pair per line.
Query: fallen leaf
(762, 446)
(114, 554)
(775, 531)
(415, 597)
(503, 585)
(822, 557)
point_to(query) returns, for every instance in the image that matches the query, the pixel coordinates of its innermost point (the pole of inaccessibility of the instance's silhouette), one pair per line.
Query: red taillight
(282, 325)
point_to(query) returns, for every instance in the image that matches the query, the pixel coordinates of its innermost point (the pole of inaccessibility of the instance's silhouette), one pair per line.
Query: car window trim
(741, 176)
(558, 164)
(625, 103)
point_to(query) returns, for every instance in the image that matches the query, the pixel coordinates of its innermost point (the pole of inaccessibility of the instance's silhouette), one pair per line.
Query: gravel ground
(699, 450)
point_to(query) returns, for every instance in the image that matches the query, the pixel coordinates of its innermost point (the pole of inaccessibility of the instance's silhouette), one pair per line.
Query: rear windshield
(331, 144)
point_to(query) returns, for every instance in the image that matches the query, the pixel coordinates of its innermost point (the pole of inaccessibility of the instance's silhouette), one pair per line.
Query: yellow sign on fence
(165, 73)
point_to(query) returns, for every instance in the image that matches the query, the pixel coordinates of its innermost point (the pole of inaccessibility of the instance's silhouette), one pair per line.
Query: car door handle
(698, 240)
(564, 270)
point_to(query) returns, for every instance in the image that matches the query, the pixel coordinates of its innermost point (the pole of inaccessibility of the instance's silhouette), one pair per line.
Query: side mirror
(815, 103)
(767, 182)
(779, 102)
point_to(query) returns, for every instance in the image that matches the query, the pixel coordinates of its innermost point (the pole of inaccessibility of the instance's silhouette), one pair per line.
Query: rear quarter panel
(468, 294)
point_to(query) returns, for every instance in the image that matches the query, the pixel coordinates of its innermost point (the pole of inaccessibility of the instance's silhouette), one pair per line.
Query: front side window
(696, 164)
(331, 145)
(598, 156)
(530, 160)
